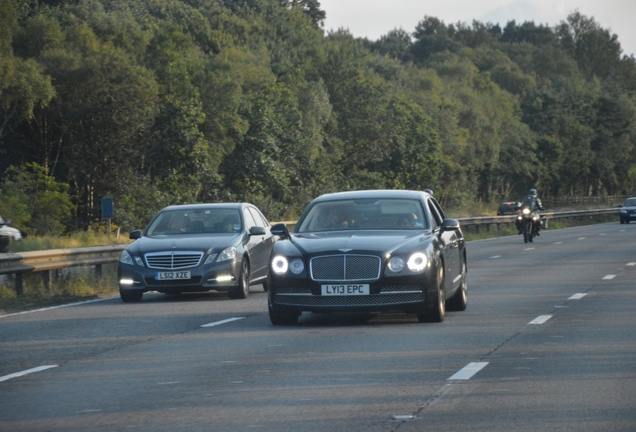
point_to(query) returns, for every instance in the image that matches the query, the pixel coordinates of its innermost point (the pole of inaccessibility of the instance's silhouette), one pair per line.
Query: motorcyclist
(533, 203)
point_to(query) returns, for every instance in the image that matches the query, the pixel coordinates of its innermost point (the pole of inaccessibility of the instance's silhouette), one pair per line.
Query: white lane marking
(495, 257)
(540, 319)
(468, 371)
(581, 238)
(631, 264)
(577, 296)
(26, 372)
(56, 307)
(168, 383)
(609, 277)
(403, 417)
(558, 242)
(601, 234)
(529, 249)
(225, 321)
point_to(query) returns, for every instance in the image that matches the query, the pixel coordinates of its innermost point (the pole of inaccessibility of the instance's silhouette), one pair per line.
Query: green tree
(48, 204)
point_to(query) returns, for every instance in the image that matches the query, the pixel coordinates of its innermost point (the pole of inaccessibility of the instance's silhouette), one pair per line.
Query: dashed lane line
(225, 321)
(540, 319)
(26, 372)
(468, 371)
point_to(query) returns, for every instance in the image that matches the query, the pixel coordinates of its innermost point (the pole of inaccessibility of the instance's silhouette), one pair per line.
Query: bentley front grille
(341, 268)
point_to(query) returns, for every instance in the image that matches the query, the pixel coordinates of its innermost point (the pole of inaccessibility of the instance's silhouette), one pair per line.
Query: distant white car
(8, 234)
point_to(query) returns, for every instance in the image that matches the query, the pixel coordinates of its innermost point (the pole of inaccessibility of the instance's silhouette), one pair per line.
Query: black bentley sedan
(198, 247)
(369, 251)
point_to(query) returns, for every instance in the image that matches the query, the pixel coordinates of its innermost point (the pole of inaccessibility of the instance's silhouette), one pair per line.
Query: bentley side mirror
(280, 229)
(449, 225)
(134, 235)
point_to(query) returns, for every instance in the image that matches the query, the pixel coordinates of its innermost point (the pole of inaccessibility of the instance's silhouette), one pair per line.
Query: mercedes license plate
(172, 275)
(345, 289)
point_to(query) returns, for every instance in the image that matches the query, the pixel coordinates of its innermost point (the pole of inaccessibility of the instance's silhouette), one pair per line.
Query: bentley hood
(369, 241)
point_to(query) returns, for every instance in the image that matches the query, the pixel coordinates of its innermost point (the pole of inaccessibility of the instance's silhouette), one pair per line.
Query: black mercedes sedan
(198, 247)
(369, 251)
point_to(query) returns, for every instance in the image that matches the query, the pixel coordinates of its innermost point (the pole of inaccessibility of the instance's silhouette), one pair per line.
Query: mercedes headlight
(227, 254)
(125, 258)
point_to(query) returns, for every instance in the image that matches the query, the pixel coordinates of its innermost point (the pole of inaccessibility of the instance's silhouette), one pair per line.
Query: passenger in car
(181, 224)
(406, 220)
(228, 223)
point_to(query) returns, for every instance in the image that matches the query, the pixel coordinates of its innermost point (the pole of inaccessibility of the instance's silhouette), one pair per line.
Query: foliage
(37, 203)
(166, 102)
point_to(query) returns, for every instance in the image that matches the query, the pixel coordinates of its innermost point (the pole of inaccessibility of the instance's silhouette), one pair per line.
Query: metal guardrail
(487, 221)
(48, 260)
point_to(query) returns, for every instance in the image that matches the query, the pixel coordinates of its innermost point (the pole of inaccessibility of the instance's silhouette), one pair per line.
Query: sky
(375, 18)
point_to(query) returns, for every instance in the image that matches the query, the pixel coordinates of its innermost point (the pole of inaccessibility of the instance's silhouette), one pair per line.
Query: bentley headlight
(396, 264)
(297, 266)
(125, 258)
(417, 262)
(227, 254)
(279, 265)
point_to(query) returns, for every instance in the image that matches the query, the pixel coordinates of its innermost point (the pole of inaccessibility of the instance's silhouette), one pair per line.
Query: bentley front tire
(437, 310)
(283, 318)
(459, 301)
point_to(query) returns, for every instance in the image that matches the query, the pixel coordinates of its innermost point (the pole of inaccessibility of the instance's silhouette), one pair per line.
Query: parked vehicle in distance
(198, 247)
(8, 235)
(369, 251)
(509, 208)
(627, 211)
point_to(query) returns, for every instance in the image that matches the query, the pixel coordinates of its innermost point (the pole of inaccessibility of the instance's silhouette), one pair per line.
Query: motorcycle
(528, 223)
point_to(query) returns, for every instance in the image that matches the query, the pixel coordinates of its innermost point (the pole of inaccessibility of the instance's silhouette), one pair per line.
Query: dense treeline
(157, 102)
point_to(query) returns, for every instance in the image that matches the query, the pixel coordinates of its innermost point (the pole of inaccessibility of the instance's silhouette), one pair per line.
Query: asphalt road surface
(548, 342)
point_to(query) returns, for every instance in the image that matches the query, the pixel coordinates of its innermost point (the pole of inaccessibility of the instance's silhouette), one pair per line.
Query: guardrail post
(18, 284)
(98, 270)
(46, 279)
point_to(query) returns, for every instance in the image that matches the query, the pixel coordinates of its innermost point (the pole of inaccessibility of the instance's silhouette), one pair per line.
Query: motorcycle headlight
(526, 211)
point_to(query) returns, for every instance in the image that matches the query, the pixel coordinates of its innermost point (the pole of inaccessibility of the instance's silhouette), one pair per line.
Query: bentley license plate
(345, 289)
(172, 275)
